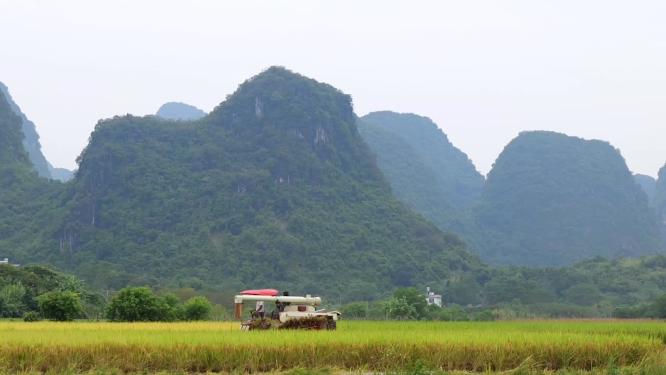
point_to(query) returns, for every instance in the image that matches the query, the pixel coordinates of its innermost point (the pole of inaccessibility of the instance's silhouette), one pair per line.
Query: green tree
(406, 304)
(465, 291)
(60, 305)
(659, 307)
(414, 299)
(355, 310)
(11, 300)
(174, 309)
(583, 294)
(400, 309)
(138, 305)
(197, 308)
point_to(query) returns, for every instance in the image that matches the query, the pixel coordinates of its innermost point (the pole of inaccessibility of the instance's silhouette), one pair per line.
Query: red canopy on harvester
(260, 292)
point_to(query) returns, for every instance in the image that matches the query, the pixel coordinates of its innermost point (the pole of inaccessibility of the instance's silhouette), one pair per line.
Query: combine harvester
(289, 312)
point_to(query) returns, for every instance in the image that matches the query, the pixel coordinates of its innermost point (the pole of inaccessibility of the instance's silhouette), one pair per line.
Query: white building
(6, 261)
(432, 298)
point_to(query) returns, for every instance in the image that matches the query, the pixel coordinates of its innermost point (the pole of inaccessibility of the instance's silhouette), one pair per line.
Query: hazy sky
(483, 70)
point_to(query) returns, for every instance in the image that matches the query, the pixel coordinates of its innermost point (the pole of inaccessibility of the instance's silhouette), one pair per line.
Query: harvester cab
(285, 311)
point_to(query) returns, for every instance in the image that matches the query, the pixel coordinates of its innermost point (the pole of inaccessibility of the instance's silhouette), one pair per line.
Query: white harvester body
(288, 307)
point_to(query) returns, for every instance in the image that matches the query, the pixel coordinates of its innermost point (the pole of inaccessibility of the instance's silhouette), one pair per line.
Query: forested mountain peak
(292, 110)
(11, 135)
(454, 173)
(30, 137)
(424, 169)
(268, 98)
(31, 143)
(23, 194)
(553, 199)
(180, 112)
(274, 187)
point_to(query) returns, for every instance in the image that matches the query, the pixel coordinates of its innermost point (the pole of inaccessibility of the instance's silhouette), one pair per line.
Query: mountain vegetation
(453, 171)
(31, 145)
(551, 199)
(61, 174)
(424, 169)
(274, 187)
(648, 184)
(659, 200)
(282, 185)
(29, 204)
(180, 112)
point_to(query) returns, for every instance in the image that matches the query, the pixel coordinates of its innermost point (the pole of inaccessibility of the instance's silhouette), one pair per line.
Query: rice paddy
(569, 347)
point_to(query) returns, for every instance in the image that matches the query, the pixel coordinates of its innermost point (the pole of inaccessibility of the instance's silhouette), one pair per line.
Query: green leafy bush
(31, 316)
(355, 310)
(407, 304)
(60, 305)
(139, 305)
(197, 308)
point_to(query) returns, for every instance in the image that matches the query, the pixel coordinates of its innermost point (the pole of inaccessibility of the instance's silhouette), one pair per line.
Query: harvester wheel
(331, 324)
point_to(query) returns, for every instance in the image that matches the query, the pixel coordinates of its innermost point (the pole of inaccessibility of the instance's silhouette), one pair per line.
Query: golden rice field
(566, 347)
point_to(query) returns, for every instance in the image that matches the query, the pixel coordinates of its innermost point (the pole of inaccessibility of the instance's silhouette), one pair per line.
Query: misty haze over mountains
(284, 170)
(32, 145)
(549, 200)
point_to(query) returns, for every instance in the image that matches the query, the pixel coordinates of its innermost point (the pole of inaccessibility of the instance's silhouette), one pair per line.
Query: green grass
(608, 347)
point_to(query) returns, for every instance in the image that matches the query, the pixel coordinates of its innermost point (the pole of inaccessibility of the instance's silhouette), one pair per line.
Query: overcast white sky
(483, 70)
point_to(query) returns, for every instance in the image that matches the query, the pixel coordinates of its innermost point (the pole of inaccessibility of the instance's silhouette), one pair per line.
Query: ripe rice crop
(355, 346)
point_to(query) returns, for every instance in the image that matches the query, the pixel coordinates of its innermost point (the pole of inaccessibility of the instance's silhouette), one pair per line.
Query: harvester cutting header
(287, 311)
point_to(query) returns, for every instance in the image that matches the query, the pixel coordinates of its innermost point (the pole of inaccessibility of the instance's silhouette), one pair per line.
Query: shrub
(406, 304)
(174, 309)
(60, 306)
(31, 316)
(450, 313)
(400, 309)
(138, 305)
(484, 316)
(197, 308)
(355, 310)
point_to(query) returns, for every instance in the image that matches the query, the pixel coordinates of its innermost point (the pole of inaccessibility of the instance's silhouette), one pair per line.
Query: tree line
(36, 292)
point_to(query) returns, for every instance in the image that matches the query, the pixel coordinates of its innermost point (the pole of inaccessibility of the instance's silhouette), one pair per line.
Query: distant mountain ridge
(31, 143)
(424, 169)
(552, 199)
(455, 172)
(180, 112)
